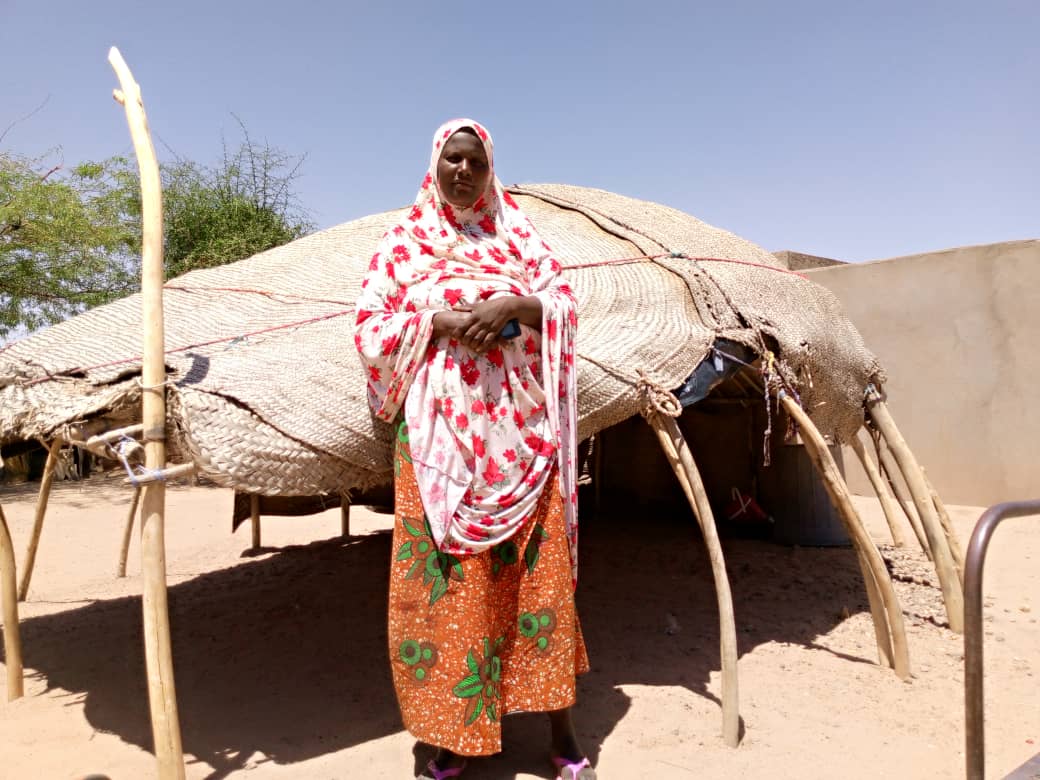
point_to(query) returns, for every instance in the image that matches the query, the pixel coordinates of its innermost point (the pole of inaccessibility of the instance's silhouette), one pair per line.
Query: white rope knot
(657, 400)
(127, 448)
(143, 386)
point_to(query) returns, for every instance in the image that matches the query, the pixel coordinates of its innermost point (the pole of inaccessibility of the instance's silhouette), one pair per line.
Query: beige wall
(958, 332)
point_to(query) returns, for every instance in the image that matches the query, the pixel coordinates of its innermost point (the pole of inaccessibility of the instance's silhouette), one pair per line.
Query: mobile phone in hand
(511, 329)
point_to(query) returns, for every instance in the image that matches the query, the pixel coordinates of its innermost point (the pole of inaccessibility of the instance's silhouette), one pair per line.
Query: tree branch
(18, 121)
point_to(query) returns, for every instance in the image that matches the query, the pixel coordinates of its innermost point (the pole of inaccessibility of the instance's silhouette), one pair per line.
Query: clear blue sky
(850, 130)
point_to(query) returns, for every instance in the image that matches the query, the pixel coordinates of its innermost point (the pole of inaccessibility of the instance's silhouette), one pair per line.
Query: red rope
(266, 293)
(619, 261)
(639, 258)
(271, 294)
(753, 265)
(195, 346)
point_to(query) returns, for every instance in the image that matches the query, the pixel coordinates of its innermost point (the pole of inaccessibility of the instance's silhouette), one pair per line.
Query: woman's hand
(478, 328)
(449, 323)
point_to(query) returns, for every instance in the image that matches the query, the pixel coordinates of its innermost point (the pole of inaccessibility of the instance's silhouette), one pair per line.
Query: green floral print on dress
(437, 567)
(419, 657)
(481, 685)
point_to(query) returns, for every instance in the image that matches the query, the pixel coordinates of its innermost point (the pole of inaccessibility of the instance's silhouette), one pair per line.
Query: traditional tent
(266, 395)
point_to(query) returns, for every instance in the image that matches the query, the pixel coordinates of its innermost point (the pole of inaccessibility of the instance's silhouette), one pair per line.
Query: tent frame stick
(344, 515)
(128, 532)
(162, 697)
(254, 518)
(888, 504)
(942, 557)
(947, 525)
(892, 643)
(9, 599)
(53, 452)
(681, 460)
(674, 445)
(890, 471)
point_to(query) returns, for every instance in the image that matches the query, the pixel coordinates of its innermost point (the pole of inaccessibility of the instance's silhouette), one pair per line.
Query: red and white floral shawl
(484, 430)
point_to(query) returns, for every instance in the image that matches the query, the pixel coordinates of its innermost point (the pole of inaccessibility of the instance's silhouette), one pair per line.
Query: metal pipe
(974, 725)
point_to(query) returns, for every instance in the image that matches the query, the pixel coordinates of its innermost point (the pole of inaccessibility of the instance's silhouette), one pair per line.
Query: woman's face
(463, 171)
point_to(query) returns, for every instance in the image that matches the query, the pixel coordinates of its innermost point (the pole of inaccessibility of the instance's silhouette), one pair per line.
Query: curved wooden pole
(9, 599)
(816, 448)
(949, 582)
(162, 697)
(53, 451)
(947, 525)
(890, 471)
(128, 530)
(888, 504)
(878, 615)
(681, 460)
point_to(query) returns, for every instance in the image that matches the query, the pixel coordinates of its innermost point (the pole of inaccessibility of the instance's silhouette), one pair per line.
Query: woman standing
(467, 333)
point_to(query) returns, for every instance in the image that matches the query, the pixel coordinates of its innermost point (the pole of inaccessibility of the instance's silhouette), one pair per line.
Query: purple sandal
(562, 764)
(443, 774)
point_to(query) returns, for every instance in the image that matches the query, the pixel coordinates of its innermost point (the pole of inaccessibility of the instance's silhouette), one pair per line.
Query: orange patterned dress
(475, 637)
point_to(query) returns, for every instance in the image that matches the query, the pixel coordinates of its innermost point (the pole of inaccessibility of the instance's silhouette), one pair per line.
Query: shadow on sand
(287, 655)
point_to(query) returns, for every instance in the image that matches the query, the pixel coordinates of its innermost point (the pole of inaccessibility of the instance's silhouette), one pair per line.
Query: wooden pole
(53, 451)
(947, 525)
(162, 475)
(878, 614)
(9, 599)
(597, 475)
(344, 515)
(685, 468)
(949, 582)
(890, 471)
(162, 696)
(98, 441)
(876, 574)
(254, 519)
(888, 504)
(128, 530)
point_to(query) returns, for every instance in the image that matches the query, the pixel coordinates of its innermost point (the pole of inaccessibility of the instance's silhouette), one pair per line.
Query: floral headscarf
(485, 431)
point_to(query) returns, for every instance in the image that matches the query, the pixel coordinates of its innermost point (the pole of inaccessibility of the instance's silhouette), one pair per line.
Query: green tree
(242, 206)
(70, 239)
(66, 242)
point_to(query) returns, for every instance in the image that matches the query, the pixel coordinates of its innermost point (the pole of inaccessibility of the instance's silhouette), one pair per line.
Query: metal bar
(974, 725)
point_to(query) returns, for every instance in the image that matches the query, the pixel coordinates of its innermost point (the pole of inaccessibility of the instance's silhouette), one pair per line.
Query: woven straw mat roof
(266, 392)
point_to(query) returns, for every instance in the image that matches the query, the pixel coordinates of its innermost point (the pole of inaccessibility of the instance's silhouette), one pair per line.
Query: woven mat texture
(267, 393)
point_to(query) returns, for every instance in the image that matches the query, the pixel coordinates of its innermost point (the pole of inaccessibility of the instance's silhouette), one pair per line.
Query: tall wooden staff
(162, 696)
(9, 603)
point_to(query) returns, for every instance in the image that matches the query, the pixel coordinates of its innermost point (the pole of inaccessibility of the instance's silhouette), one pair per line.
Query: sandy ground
(282, 672)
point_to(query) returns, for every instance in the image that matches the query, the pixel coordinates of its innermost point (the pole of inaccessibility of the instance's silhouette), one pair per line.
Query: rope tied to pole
(126, 448)
(143, 386)
(656, 399)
